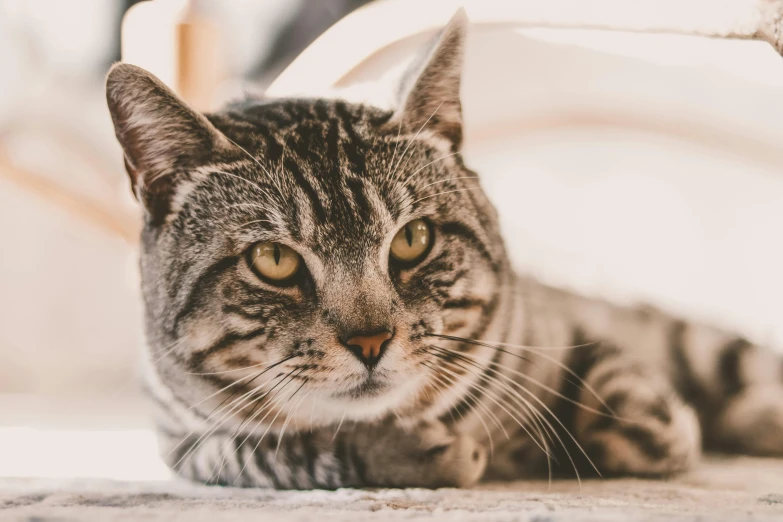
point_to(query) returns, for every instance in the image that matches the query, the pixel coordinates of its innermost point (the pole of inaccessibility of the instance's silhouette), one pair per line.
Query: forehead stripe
(315, 201)
(356, 187)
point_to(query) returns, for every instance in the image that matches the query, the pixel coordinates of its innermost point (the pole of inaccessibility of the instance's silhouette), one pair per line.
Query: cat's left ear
(430, 97)
(163, 138)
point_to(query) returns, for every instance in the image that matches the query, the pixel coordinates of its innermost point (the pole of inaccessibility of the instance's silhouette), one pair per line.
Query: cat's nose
(368, 347)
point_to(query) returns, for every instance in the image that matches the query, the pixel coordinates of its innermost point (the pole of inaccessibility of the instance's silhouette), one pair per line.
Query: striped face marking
(318, 240)
(327, 245)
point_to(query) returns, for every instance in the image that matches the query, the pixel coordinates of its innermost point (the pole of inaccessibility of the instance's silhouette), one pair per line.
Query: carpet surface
(719, 490)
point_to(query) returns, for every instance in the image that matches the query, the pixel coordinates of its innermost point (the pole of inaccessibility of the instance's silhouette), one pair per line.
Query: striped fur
(488, 374)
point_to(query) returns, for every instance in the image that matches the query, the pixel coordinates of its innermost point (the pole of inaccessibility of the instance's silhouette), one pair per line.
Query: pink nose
(369, 348)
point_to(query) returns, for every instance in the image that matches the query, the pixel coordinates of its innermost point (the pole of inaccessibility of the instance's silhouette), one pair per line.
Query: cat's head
(304, 251)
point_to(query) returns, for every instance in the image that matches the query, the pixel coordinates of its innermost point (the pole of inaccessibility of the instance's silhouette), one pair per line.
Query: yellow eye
(411, 242)
(274, 261)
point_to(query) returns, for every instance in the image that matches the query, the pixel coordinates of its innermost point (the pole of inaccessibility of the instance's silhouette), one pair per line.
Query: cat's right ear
(430, 90)
(163, 138)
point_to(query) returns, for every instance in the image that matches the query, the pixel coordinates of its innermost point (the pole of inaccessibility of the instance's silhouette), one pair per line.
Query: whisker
(554, 392)
(452, 382)
(396, 145)
(477, 400)
(289, 417)
(443, 193)
(500, 405)
(583, 383)
(514, 394)
(214, 475)
(558, 421)
(397, 414)
(243, 225)
(255, 206)
(287, 379)
(312, 410)
(233, 369)
(270, 408)
(444, 180)
(538, 351)
(562, 366)
(439, 387)
(274, 365)
(169, 347)
(478, 415)
(238, 403)
(228, 410)
(225, 412)
(492, 344)
(281, 166)
(249, 182)
(396, 169)
(290, 377)
(340, 425)
(539, 422)
(257, 162)
(436, 160)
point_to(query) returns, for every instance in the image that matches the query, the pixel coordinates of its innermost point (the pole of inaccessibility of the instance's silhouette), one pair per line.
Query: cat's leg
(627, 418)
(361, 455)
(736, 386)
(751, 422)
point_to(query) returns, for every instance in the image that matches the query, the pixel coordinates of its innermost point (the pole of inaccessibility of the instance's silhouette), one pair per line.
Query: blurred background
(629, 165)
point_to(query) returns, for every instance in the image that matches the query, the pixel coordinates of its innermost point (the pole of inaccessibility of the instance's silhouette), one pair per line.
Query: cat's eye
(274, 261)
(412, 242)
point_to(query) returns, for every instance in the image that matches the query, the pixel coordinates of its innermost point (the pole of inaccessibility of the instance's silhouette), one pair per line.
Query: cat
(329, 303)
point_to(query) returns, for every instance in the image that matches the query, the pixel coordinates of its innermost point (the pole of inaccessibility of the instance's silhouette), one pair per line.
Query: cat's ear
(430, 93)
(162, 137)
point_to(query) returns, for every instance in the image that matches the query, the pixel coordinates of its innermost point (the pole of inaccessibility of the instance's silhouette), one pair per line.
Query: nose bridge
(358, 302)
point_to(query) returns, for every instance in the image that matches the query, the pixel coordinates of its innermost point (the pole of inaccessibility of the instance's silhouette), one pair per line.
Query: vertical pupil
(277, 254)
(408, 235)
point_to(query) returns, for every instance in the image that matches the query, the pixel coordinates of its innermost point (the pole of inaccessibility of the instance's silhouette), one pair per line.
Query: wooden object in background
(175, 41)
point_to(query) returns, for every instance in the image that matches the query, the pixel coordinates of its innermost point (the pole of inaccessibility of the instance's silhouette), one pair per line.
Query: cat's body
(371, 362)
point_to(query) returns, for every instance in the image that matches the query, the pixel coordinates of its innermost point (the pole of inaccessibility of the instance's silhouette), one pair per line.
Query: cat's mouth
(372, 386)
(373, 395)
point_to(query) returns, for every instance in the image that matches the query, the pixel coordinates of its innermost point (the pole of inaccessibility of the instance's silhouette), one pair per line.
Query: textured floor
(720, 490)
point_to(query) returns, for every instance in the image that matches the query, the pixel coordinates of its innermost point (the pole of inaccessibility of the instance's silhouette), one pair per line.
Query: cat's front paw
(458, 461)
(427, 455)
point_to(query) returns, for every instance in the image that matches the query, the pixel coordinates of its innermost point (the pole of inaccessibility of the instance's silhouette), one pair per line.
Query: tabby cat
(328, 303)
